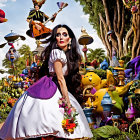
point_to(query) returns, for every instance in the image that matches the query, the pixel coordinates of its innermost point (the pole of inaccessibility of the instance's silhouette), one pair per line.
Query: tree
(98, 54)
(111, 15)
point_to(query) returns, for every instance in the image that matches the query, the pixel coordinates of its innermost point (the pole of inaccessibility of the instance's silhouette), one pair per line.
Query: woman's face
(62, 38)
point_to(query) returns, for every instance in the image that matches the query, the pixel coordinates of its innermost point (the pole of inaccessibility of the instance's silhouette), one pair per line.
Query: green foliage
(126, 136)
(106, 132)
(4, 107)
(101, 73)
(113, 133)
(98, 54)
(93, 8)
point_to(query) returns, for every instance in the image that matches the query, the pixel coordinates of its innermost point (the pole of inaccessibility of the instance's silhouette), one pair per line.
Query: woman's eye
(58, 34)
(65, 34)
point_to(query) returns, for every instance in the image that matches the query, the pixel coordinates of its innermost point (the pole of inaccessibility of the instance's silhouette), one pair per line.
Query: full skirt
(32, 117)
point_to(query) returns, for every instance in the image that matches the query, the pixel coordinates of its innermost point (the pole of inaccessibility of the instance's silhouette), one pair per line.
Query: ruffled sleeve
(57, 54)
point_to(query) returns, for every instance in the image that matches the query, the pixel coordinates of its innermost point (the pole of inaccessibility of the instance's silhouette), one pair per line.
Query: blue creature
(104, 65)
(25, 72)
(12, 54)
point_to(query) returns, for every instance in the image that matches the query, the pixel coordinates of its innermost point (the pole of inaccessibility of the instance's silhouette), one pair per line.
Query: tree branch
(103, 21)
(123, 22)
(119, 16)
(107, 14)
(103, 37)
(129, 33)
(115, 20)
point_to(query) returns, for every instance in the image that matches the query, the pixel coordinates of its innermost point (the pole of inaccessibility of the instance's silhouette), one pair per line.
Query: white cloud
(3, 2)
(2, 5)
(85, 17)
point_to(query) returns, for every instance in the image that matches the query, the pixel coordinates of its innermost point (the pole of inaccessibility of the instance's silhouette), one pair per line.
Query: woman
(37, 112)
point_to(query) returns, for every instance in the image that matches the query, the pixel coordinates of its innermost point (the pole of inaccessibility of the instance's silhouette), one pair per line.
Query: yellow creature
(98, 96)
(90, 78)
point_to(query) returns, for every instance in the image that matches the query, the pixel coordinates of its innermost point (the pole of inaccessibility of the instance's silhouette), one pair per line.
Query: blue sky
(16, 11)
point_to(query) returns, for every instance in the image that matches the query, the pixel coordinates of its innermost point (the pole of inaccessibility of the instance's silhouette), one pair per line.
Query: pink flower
(134, 9)
(69, 111)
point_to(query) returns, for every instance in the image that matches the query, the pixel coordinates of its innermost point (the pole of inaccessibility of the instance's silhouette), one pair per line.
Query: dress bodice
(58, 54)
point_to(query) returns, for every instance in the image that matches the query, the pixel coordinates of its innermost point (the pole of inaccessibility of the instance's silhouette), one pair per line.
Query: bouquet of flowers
(69, 123)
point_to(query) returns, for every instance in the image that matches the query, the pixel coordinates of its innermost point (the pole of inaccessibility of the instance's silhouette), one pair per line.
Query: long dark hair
(73, 79)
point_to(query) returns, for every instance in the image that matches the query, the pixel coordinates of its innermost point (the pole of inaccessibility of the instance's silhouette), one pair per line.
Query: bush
(101, 73)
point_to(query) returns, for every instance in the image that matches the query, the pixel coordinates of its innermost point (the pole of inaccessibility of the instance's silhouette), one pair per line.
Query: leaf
(107, 131)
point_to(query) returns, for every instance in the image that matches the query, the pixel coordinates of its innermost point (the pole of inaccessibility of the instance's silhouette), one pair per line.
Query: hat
(2, 16)
(38, 2)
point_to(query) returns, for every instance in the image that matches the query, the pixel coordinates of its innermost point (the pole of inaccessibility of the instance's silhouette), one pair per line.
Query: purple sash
(44, 88)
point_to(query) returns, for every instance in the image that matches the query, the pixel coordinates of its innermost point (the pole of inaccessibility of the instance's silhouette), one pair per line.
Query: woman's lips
(61, 42)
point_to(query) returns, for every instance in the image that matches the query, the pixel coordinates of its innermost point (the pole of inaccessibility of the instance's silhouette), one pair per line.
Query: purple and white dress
(37, 112)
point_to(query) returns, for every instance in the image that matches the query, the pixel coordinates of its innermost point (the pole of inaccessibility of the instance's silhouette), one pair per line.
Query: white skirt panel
(32, 117)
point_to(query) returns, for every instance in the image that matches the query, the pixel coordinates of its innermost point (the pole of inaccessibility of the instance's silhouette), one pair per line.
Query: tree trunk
(136, 30)
(118, 27)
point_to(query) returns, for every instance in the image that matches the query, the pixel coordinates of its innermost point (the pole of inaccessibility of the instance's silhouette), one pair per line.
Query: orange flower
(70, 125)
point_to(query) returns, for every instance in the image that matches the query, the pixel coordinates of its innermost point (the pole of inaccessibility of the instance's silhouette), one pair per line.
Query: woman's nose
(61, 36)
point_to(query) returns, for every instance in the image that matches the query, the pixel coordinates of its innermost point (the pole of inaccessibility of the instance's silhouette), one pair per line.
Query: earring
(69, 45)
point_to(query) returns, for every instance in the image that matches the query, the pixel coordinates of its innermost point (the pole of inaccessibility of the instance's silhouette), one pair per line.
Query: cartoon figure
(2, 16)
(104, 65)
(12, 54)
(37, 20)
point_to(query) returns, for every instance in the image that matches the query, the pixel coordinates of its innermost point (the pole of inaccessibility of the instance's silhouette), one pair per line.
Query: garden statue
(114, 62)
(12, 54)
(104, 65)
(84, 40)
(133, 66)
(98, 96)
(90, 78)
(106, 103)
(131, 111)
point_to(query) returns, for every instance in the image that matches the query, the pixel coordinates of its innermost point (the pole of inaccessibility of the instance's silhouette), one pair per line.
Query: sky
(16, 11)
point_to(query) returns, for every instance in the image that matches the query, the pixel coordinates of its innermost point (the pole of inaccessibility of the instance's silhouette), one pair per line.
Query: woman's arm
(61, 80)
